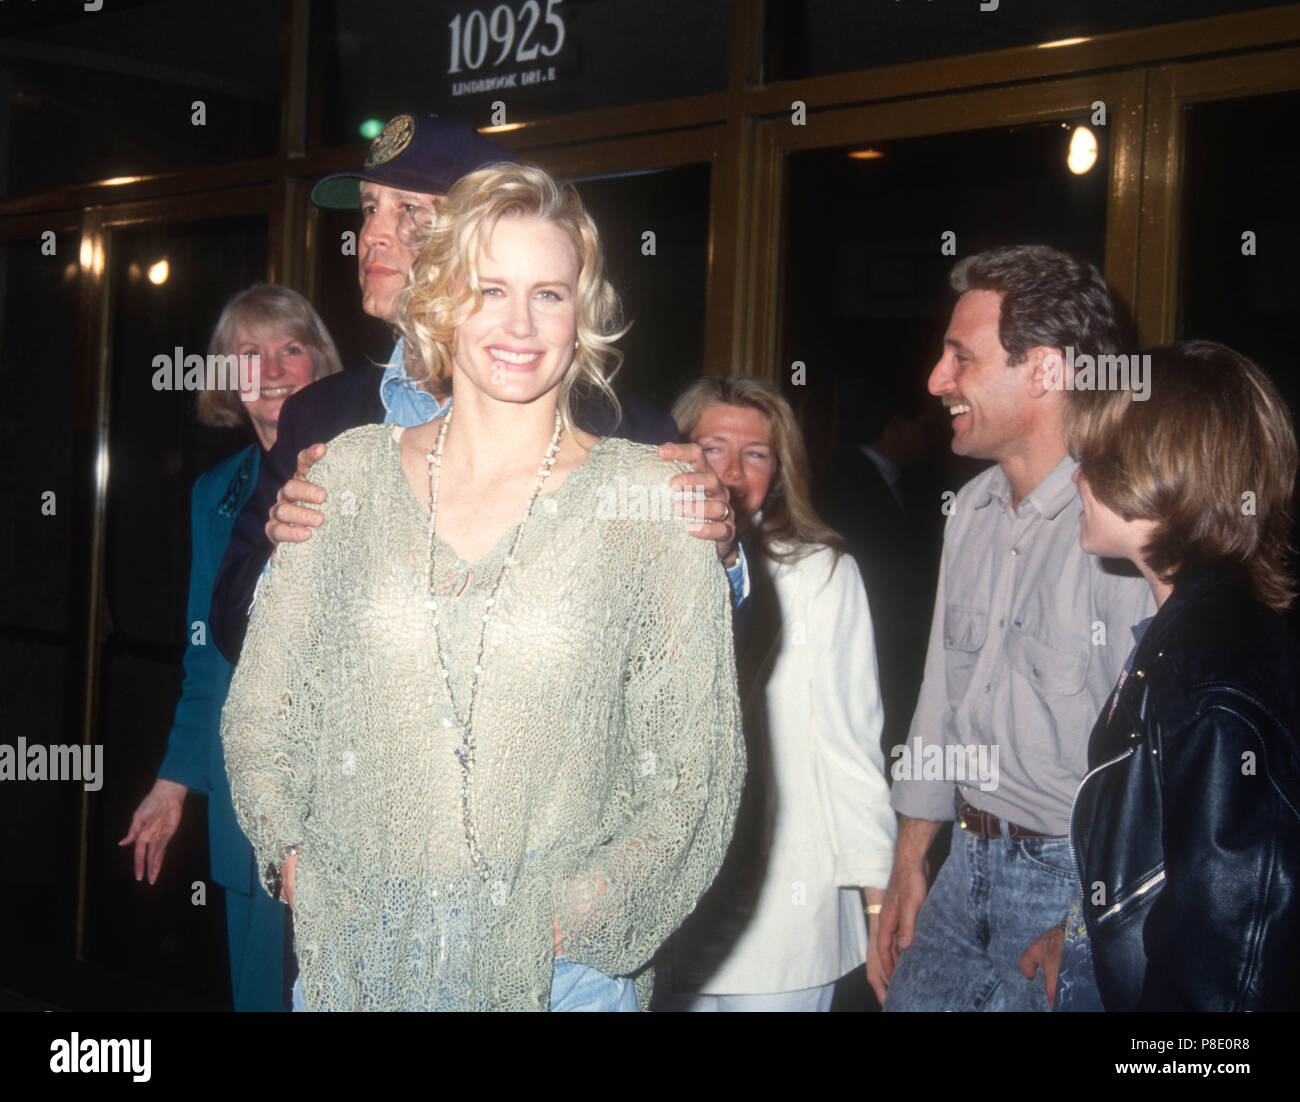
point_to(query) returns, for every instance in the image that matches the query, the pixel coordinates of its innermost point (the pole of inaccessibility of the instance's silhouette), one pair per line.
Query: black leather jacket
(1186, 829)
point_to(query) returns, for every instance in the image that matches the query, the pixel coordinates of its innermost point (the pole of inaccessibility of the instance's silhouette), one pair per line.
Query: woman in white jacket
(785, 919)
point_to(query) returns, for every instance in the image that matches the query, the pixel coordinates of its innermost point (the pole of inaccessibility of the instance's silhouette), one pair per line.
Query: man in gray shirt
(1028, 638)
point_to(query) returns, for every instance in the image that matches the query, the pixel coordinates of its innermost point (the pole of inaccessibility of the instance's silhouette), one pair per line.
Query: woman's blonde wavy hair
(444, 277)
(790, 528)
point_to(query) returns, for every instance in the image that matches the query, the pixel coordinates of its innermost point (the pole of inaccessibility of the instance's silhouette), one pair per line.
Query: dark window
(42, 498)
(102, 94)
(1242, 177)
(663, 293)
(38, 365)
(867, 298)
(814, 37)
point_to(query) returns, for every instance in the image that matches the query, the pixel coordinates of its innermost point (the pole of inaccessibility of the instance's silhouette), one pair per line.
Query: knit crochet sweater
(608, 755)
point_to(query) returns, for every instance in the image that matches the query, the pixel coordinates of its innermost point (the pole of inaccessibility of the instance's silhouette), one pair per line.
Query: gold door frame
(1122, 93)
(1173, 87)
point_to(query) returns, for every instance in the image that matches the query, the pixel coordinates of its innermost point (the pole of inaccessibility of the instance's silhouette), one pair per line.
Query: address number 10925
(473, 34)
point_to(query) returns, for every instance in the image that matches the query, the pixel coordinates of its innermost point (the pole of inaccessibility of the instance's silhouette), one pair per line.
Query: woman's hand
(287, 873)
(715, 519)
(1045, 952)
(875, 967)
(559, 941)
(155, 821)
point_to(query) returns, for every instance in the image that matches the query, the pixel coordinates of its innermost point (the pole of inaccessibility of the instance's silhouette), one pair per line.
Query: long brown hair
(790, 528)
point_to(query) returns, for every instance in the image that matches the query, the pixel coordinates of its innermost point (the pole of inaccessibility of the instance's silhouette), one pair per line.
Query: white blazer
(811, 701)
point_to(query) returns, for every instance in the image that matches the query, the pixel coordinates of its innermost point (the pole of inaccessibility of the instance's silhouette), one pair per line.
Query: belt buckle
(969, 813)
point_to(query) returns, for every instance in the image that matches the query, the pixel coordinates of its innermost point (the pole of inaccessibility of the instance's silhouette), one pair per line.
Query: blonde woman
(816, 832)
(294, 349)
(486, 735)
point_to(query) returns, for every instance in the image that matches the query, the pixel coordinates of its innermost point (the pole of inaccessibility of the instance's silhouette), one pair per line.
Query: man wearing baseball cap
(411, 165)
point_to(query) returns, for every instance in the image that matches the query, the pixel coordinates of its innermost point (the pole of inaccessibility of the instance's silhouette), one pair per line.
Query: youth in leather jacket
(1187, 827)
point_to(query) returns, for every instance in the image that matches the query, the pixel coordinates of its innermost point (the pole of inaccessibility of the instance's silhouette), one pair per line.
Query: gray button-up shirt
(1030, 633)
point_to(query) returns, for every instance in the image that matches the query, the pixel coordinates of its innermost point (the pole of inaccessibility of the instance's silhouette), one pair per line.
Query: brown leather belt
(983, 825)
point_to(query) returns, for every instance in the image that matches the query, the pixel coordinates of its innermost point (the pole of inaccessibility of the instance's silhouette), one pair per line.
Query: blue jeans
(993, 897)
(574, 987)
(1076, 984)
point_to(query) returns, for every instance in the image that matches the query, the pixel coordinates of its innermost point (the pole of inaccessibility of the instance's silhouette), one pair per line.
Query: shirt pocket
(964, 632)
(1053, 670)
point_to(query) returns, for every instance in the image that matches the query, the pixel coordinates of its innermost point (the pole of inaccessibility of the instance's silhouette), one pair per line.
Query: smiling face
(519, 345)
(988, 401)
(285, 365)
(737, 444)
(391, 226)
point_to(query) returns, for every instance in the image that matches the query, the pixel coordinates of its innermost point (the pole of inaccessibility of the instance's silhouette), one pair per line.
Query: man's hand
(903, 898)
(716, 517)
(908, 887)
(1045, 953)
(288, 871)
(293, 523)
(155, 821)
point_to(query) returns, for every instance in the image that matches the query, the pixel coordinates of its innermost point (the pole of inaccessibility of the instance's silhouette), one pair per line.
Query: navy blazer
(318, 413)
(194, 754)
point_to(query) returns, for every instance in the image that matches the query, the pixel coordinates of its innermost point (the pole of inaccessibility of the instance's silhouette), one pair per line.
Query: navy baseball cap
(424, 153)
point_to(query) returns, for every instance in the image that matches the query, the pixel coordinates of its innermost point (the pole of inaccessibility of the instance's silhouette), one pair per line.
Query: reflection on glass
(1083, 151)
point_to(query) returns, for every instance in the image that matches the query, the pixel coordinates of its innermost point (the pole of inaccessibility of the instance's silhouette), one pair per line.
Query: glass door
(167, 271)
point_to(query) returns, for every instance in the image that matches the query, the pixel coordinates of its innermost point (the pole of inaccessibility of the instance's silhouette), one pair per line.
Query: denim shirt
(406, 402)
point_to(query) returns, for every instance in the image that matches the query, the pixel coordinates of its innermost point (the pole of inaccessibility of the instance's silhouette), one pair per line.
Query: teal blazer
(194, 755)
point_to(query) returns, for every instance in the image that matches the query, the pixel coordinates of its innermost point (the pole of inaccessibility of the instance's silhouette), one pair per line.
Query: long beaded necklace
(465, 725)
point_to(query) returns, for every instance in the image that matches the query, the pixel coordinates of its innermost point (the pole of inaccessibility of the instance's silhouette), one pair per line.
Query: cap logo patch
(395, 138)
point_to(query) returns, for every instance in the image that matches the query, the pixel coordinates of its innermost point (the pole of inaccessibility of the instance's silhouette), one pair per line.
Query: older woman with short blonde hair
(292, 349)
(266, 309)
